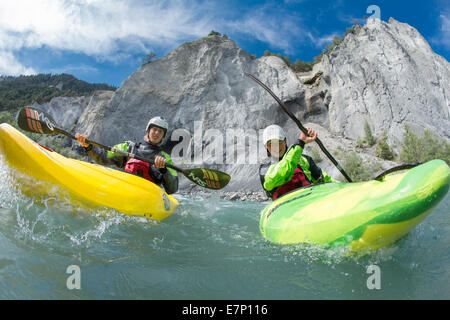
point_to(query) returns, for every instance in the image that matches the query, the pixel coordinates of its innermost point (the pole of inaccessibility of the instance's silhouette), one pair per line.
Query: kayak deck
(86, 182)
(363, 215)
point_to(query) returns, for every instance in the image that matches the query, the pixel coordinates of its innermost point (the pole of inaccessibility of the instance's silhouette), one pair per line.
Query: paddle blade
(35, 120)
(207, 178)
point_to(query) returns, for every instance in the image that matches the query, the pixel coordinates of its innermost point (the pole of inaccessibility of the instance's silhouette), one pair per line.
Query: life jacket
(298, 180)
(140, 168)
(306, 173)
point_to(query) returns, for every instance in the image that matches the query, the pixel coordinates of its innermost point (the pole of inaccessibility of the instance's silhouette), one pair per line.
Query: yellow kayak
(85, 182)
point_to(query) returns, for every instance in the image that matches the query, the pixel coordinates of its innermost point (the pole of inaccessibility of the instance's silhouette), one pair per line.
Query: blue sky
(104, 40)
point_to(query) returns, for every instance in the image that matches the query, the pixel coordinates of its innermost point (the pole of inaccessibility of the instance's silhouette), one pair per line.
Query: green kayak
(361, 215)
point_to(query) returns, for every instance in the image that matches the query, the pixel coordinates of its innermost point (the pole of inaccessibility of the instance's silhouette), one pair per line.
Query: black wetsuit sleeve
(170, 182)
(99, 156)
(316, 172)
(166, 178)
(262, 172)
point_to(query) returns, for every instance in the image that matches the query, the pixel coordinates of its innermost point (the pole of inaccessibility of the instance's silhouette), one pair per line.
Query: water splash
(209, 248)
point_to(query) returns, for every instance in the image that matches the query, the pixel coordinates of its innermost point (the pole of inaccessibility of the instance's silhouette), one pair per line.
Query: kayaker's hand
(81, 138)
(160, 162)
(312, 136)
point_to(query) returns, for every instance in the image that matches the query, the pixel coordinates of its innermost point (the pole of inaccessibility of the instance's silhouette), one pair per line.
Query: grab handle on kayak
(397, 168)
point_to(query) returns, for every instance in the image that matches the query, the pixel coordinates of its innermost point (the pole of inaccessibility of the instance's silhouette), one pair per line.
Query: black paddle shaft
(301, 127)
(38, 121)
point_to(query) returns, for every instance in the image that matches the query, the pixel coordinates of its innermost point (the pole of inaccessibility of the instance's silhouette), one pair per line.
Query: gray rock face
(387, 74)
(68, 111)
(94, 113)
(64, 110)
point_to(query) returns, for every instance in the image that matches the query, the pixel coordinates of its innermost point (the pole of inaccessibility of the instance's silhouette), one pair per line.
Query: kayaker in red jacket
(149, 148)
(292, 169)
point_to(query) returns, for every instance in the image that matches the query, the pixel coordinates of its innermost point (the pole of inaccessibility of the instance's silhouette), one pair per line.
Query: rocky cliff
(387, 74)
(382, 73)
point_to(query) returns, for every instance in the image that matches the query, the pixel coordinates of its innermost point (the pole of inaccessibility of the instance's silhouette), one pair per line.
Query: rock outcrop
(65, 110)
(68, 111)
(385, 74)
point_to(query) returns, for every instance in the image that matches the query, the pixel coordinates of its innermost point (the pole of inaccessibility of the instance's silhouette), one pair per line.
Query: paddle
(38, 121)
(299, 124)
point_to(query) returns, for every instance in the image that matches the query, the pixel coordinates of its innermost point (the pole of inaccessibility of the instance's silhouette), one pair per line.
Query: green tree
(6, 117)
(349, 30)
(16, 92)
(214, 33)
(287, 59)
(149, 58)
(302, 66)
(337, 40)
(358, 169)
(370, 139)
(383, 150)
(297, 66)
(421, 149)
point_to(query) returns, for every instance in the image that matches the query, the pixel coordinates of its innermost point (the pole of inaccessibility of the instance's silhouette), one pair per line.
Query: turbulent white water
(208, 249)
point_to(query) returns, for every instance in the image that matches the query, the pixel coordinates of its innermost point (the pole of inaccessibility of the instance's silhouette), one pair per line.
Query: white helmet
(158, 122)
(273, 132)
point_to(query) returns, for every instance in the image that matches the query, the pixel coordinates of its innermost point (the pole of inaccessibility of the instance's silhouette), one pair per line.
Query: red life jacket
(298, 180)
(138, 167)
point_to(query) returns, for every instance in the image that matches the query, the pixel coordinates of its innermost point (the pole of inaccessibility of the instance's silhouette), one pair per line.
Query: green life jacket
(280, 173)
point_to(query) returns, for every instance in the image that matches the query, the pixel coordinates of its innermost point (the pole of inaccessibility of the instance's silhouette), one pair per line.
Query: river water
(208, 249)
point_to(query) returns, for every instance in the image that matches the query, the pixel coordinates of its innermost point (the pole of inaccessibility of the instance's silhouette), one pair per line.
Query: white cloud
(444, 36)
(80, 69)
(106, 29)
(323, 41)
(10, 66)
(113, 30)
(441, 37)
(279, 29)
(350, 19)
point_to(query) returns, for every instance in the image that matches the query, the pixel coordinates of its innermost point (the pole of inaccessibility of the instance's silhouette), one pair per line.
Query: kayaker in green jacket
(292, 169)
(149, 148)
